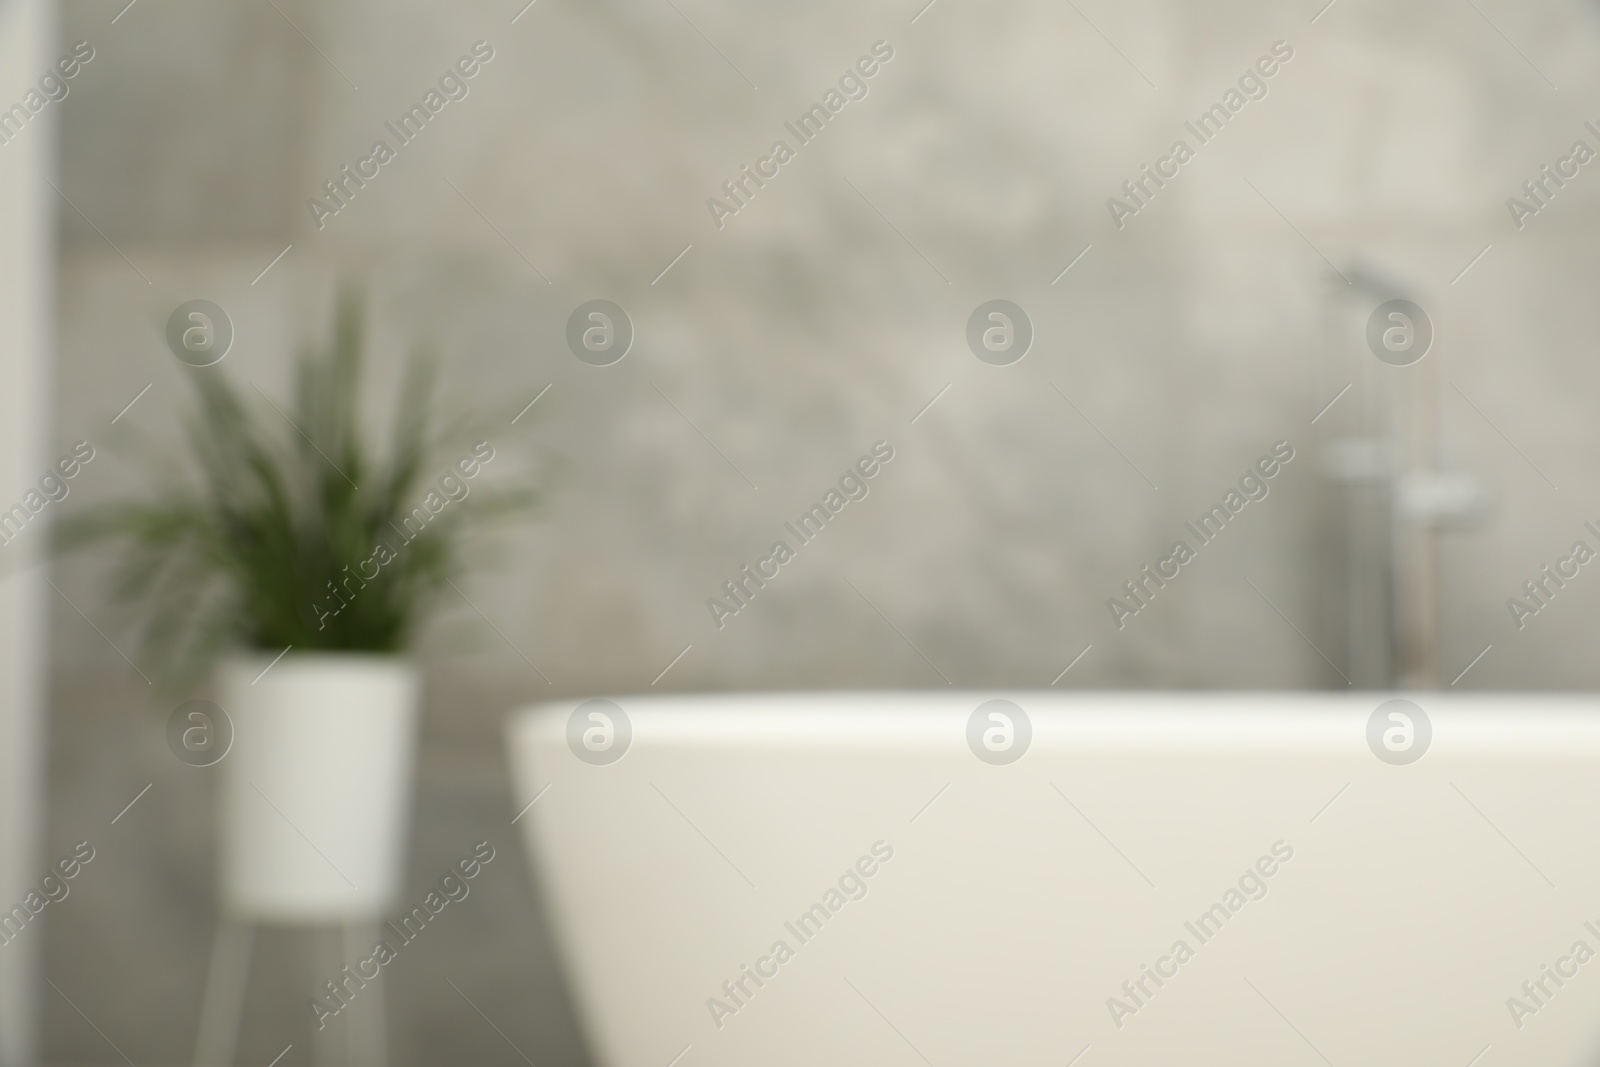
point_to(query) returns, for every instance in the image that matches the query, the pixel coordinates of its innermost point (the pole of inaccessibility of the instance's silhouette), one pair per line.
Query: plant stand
(363, 1041)
(315, 800)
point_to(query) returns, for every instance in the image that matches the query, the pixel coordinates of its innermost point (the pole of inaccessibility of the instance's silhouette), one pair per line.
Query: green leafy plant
(269, 539)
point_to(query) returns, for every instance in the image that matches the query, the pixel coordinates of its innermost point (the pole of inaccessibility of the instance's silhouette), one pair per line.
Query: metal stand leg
(330, 1046)
(367, 1044)
(362, 1040)
(223, 1004)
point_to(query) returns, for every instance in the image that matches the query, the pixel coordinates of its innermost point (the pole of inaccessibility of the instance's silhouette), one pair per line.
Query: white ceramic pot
(317, 786)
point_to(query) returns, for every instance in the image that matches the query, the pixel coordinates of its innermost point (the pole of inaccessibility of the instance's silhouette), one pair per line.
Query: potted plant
(298, 563)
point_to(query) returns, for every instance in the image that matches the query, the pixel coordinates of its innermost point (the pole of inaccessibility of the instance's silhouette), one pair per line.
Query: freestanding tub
(865, 878)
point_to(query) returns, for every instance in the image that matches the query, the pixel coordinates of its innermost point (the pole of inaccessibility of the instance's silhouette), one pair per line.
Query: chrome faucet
(1395, 491)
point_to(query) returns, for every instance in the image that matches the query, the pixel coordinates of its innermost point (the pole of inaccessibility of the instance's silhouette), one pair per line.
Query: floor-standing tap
(1395, 493)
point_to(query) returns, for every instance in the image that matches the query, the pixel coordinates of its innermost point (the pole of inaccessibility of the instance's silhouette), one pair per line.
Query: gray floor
(129, 945)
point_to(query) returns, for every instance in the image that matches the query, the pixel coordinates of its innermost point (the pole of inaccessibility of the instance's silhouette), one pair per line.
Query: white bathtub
(1020, 898)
